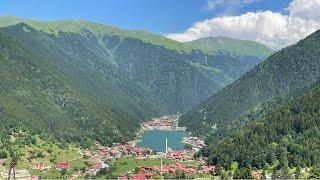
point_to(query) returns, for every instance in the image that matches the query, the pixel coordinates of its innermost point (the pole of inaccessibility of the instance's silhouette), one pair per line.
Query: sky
(276, 23)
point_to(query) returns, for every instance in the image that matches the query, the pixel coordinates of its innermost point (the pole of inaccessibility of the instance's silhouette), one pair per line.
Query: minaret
(166, 146)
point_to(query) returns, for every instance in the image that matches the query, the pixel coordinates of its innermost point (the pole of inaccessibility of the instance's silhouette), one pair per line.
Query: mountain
(230, 45)
(36, 97)
(77, 81)
(276, 79)
(97, 29)
(288, 136)
(145, 67)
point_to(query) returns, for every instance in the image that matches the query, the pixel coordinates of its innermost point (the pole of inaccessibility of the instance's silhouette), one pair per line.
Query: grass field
(47, 153)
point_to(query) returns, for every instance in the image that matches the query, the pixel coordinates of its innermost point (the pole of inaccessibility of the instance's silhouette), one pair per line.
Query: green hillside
(99, 30)
(113, 78)
(103, 72)
(35, 97)
(146, 71)
(282, 74)
(230, 45)
(287, 137)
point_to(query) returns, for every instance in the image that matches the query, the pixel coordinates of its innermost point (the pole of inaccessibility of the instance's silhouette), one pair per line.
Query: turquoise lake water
(156, 140)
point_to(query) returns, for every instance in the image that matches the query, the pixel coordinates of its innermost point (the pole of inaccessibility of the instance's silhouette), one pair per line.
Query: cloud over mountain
(271, 28)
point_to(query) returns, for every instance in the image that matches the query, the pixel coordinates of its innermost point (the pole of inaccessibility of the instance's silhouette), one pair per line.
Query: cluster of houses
(119, 150)
(148, 172)
(177, 167)
(181, 155)
(163, 123)
(195, 142)
(129, 149)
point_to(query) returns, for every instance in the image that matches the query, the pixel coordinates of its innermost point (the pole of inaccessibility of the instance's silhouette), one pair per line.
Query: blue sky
(158, 16)
(275, 23)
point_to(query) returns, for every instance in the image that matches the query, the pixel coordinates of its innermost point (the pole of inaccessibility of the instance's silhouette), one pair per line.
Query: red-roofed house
(122, 177)
(98, 165)
(138, 177)
(63, 165)
(209, 169)
(34, 177)
(256, 174)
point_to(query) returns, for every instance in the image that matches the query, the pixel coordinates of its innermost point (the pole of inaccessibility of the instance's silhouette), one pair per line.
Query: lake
(156, 140)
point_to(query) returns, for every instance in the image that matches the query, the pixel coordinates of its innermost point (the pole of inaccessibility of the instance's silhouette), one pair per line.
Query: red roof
(63, 165)
(34, 177)
(98, 165)
(123, 177)
(138, 177)
(256, 174)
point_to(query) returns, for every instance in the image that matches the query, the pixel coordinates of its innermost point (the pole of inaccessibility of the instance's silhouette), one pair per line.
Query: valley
(87, 100)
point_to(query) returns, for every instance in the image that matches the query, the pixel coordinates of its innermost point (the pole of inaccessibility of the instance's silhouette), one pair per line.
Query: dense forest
(287, 137)
(103, 80)
(272, 82)
(35, 97)
(173, 79)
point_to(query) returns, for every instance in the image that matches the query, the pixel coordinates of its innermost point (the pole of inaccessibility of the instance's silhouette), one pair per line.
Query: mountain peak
(98, 29)
(231, 45)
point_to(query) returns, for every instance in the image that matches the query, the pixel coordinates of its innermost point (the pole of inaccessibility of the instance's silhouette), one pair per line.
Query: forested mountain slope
(76, 81)
(288, 136)
(147, 68)
(36, 97)
(282, 74)
(230, 45)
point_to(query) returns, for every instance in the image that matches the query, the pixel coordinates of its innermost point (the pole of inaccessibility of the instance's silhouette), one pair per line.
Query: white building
(20, 174)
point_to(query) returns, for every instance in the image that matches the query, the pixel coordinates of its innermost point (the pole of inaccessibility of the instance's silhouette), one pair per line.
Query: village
(99, 158)
(180, 159)
(168, 123)
(139, 153)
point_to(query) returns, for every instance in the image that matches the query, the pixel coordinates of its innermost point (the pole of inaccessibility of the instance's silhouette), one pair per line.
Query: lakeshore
(141, 158)
(150, 149)
(164, 123)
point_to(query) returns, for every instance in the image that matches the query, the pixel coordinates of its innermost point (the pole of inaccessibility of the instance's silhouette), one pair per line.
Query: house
(63, 165)
(209, 169)
(122, 177)
(40, 166)
(98, 165)
(34, 177)
(256, 174)
(20, 174)
(138, 177)
(87, 153)
(165, 169)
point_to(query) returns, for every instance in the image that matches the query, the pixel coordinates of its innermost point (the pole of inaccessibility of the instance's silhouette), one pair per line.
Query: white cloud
(273, 29)
(305, 9)
(212, 4)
